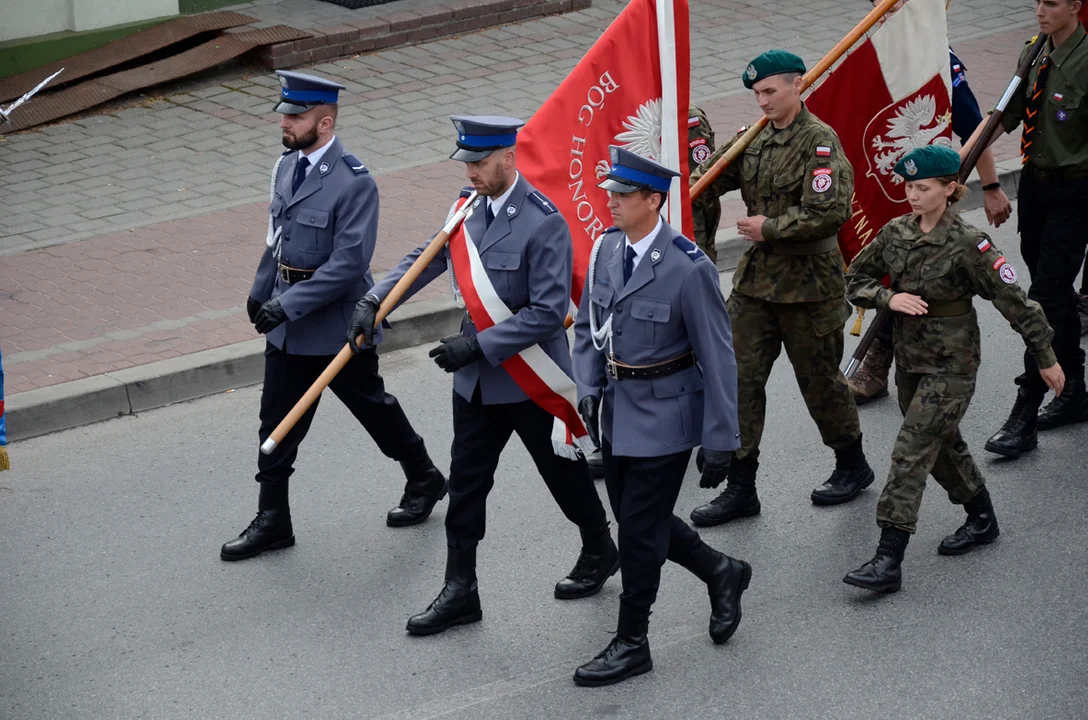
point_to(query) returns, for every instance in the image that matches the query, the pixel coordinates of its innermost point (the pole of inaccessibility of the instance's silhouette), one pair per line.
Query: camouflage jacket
(945, 267)
(800, 179)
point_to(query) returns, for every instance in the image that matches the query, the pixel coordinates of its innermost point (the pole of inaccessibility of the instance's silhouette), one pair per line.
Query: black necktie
(489, 216)
(300, 174)
(628, 264)
(1032, 110)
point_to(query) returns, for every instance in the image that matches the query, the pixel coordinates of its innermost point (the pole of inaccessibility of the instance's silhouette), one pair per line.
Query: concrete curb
(124, 392)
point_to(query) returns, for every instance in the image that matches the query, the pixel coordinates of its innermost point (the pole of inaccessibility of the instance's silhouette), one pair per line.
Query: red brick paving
(174, 271)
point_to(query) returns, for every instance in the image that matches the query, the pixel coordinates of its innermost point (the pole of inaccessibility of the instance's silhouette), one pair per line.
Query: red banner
(616, 95)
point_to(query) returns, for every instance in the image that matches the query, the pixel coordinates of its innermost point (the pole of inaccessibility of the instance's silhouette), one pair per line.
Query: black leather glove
(362, 322)
(590, 410)
(456, 352)
(252, 306)
(269, 316)
(714, 465)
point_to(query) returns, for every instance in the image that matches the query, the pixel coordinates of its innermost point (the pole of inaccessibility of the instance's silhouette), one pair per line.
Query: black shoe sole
(747, 578)
(950, 552)
(700, 521)
(592, 682)
(873, 588)
(434, 630)
(422, 518)
(826, 502)
(863, 400)
(278, 545)
(1009, 452)
(587, 593)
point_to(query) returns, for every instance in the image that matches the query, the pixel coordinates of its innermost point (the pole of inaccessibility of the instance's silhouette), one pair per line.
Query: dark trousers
(643, 494)
(480, 432)
(359, 387)
(1053, 225)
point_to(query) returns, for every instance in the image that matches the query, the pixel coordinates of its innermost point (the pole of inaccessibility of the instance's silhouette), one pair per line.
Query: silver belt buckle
(284, 275)
(610, 366)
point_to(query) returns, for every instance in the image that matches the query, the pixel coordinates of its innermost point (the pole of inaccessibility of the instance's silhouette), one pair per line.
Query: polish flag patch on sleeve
(823, 151)
(984, 245)
(693, 121)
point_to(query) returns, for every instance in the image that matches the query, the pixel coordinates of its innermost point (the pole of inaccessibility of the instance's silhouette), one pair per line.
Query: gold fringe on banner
(856, 330)
(5, 461)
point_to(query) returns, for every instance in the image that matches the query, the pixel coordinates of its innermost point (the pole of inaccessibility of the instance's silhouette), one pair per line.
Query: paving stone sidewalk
(153, 217)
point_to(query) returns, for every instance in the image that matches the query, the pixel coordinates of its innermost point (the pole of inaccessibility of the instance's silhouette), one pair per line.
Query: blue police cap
(299, 92)
(480, 135)
(630, 172)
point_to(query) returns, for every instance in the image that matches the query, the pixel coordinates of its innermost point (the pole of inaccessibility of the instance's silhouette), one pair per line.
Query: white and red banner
(535, 373)
(891, 95)
(631, 90)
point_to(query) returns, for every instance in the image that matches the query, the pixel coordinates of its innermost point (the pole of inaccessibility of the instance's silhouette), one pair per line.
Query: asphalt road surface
(114, 603)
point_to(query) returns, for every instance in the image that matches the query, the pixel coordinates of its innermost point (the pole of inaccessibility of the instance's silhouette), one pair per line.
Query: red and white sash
(535, 373)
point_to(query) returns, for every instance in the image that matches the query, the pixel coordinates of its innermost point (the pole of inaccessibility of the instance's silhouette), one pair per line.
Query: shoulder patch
(467, 191)
(355, 164)
(542, 202)
(983, 244)
(689, 248)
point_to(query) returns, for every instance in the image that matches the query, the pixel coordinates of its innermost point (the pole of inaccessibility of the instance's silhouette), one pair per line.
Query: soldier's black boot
(626, 656)
(595, 460)
(979, 529)
(726, 578)
(852, 474)
(598, 561)
(1069, 407)
(459, 601)
(884, 572)
(738, 500)
(1019, 434)
(425, 486)
(270, 530)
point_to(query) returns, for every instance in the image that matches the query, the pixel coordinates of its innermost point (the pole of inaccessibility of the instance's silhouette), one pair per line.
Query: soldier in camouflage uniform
(937, 262)
(708, 214)
(788, 288)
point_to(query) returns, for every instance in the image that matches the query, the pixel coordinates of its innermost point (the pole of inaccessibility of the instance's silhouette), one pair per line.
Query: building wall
(30, 18)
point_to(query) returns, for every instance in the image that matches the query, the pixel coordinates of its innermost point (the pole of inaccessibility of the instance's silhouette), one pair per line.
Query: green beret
(772, 62)
(929, 162)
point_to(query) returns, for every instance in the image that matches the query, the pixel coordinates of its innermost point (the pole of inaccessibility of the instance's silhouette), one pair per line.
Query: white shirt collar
(497, 203)
(643, 245)
(315, 156)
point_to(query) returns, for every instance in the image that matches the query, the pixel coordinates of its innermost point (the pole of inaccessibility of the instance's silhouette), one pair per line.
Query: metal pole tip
(268, 446)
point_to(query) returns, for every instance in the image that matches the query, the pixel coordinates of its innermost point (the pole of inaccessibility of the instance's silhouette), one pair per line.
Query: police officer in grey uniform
(525, 248)
(323, 227)
(653, 359)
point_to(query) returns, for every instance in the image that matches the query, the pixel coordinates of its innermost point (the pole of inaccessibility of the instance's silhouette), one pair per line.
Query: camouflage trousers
(812, 333)
(705, 218)
(928, 443)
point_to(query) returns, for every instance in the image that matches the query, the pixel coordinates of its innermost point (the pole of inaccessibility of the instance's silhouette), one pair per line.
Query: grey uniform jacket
(528, 256)
(330, 225)
(672, 305)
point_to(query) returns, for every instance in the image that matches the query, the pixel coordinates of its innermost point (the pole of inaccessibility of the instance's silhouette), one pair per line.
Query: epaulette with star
(542, 202)
(355, 164)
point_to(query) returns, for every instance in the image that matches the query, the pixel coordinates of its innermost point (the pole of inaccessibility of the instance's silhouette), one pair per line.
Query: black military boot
(270, 530)
(726, 578)
(883, 573)
(979, 529)
(851, 475)
(459, 601)
(424, 488)
(595, 460)
(598, 561)
(626, 656)
(738, 500)
(1019, 433)
(1069, 407)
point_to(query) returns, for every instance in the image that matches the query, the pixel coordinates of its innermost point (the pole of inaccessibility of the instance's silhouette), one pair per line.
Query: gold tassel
(856, 330)
(5, 461)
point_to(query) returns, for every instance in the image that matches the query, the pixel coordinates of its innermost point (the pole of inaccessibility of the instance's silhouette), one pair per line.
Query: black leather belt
(1062, 175)
(292, 275)
(619, 371)
(813, 247)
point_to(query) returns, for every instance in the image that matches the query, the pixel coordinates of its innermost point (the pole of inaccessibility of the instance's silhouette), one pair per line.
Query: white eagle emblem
(915, 125)
(641, 137)
(911, 167)
(751, 72)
